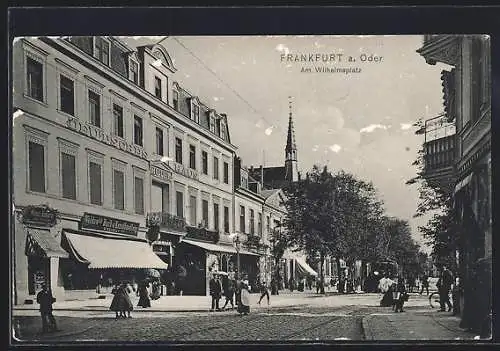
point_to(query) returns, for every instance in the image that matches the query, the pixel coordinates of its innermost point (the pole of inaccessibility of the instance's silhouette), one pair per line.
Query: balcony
(166, 220)
(440, 48)
(202, 233)
(439, 157)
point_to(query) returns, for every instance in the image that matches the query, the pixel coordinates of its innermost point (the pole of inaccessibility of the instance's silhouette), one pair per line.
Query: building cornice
(445, 49)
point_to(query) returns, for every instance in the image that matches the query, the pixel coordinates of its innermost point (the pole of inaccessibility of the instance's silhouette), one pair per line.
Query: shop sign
(161, 173)
(39, 215)
(186, 172)
(108, 224)
(99, 135)
(166, 220)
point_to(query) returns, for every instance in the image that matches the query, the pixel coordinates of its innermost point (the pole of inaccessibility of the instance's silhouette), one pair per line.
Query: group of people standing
(121, 303)
(233, 289)
(394, 293)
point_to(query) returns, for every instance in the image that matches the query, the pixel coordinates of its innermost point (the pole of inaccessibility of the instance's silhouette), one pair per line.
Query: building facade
(104, 137)
(460, 163)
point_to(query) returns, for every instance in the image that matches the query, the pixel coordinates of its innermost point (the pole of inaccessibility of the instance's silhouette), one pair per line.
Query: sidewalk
(173, 303)
(418, 322)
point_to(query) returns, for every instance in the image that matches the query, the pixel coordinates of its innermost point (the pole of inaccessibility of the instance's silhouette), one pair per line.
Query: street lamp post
(237, 245)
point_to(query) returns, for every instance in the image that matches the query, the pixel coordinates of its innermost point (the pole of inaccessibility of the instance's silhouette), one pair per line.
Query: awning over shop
(304, 268)
(463, 183)
(42, 240)
(217, 248)
(113, 252)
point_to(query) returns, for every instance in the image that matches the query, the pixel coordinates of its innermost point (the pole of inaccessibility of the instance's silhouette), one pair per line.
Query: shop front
(37, 252)
(104, 251)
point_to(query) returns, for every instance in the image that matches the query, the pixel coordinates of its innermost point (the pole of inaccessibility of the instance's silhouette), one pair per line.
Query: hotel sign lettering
(186, 172)
(99, 135)
(161, 173)
(39, 215)
(108, 224)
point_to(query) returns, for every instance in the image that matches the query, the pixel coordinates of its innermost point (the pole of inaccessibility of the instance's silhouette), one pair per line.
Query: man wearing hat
(45, 299)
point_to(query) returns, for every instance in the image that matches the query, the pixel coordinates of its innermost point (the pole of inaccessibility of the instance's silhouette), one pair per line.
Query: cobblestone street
(333, 321)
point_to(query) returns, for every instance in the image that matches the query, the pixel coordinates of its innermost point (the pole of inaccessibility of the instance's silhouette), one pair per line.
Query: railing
(439, 153)
(202, 234)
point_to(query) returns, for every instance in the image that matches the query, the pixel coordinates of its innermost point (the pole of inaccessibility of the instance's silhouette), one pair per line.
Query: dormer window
(158, 87)
(134, 71)
(223, 130)
(101, 50)
(212, 124)
(196, 113)
(217, 127)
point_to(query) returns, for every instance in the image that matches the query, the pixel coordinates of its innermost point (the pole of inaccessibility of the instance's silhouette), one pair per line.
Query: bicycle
(434, 299)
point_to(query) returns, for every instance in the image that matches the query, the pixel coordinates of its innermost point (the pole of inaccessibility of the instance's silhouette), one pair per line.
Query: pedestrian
(418, 283)
(45, 299)
(181, 279)
(445, 282)
(121, 303)
(144, 300)
(425, 284)
(385, 287)
(264, 291)
(291, 284)
(215, 287)
(228, 286)
(155, 290)
(400, 295)
(244, 303)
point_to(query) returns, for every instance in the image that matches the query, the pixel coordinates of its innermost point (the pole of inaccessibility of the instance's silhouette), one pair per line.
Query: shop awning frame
(302, 264)
(217, 248)
(45, 243)
(463, 183)
(105, 252)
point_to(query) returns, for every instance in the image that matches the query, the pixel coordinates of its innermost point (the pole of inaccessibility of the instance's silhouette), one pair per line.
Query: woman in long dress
(121, 303)
(144, 300)
(244, 305)
(385, 287)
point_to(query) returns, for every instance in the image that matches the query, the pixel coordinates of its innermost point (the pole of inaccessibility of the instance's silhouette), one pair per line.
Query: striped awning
(217, 248)
(304, 268)
(45, 243)
(112, 252)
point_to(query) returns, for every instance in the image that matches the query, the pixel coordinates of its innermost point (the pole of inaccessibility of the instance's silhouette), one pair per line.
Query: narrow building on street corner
(458, 161)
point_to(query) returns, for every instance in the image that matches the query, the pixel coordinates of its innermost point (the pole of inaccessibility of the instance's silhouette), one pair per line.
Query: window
(216, 168)
(160, 197)
(118, 120)
(252, 222)
(159, 141)
(217, 127)
(192, 210)
(67, 91)
(226, 173)
(158, 87)
(204, 162)
(95, 178)
(101, 50)
(179, 198)
(204, 209)
(216, 217)
(119, 189)
(34, 79)
(94, 109)
(242, 219)
(36, 159)
(175, 100)
(192, 156)
(68, 175)
(226, 219)
(223, 130)
(196, 113)
(178, 150)
(268, 224)
(139, 195)
(259, 224)
(137, 130)
(134, 72)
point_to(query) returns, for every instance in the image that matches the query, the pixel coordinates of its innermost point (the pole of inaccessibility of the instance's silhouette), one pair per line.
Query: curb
(56, 335)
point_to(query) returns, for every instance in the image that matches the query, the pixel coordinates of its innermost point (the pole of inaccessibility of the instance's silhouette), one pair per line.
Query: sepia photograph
(255, 188)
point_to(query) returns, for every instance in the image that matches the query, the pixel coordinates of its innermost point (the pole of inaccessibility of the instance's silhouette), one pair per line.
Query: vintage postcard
(251, 188)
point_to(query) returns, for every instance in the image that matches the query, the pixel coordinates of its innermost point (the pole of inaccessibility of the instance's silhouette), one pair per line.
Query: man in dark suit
(215, 287)
(444, 286)
(45, 299)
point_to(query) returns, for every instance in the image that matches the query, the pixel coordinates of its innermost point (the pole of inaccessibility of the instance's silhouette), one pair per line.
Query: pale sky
(357, 122)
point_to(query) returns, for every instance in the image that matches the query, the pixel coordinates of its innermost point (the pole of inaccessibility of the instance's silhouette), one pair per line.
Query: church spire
(291, 169)
(291, 147)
